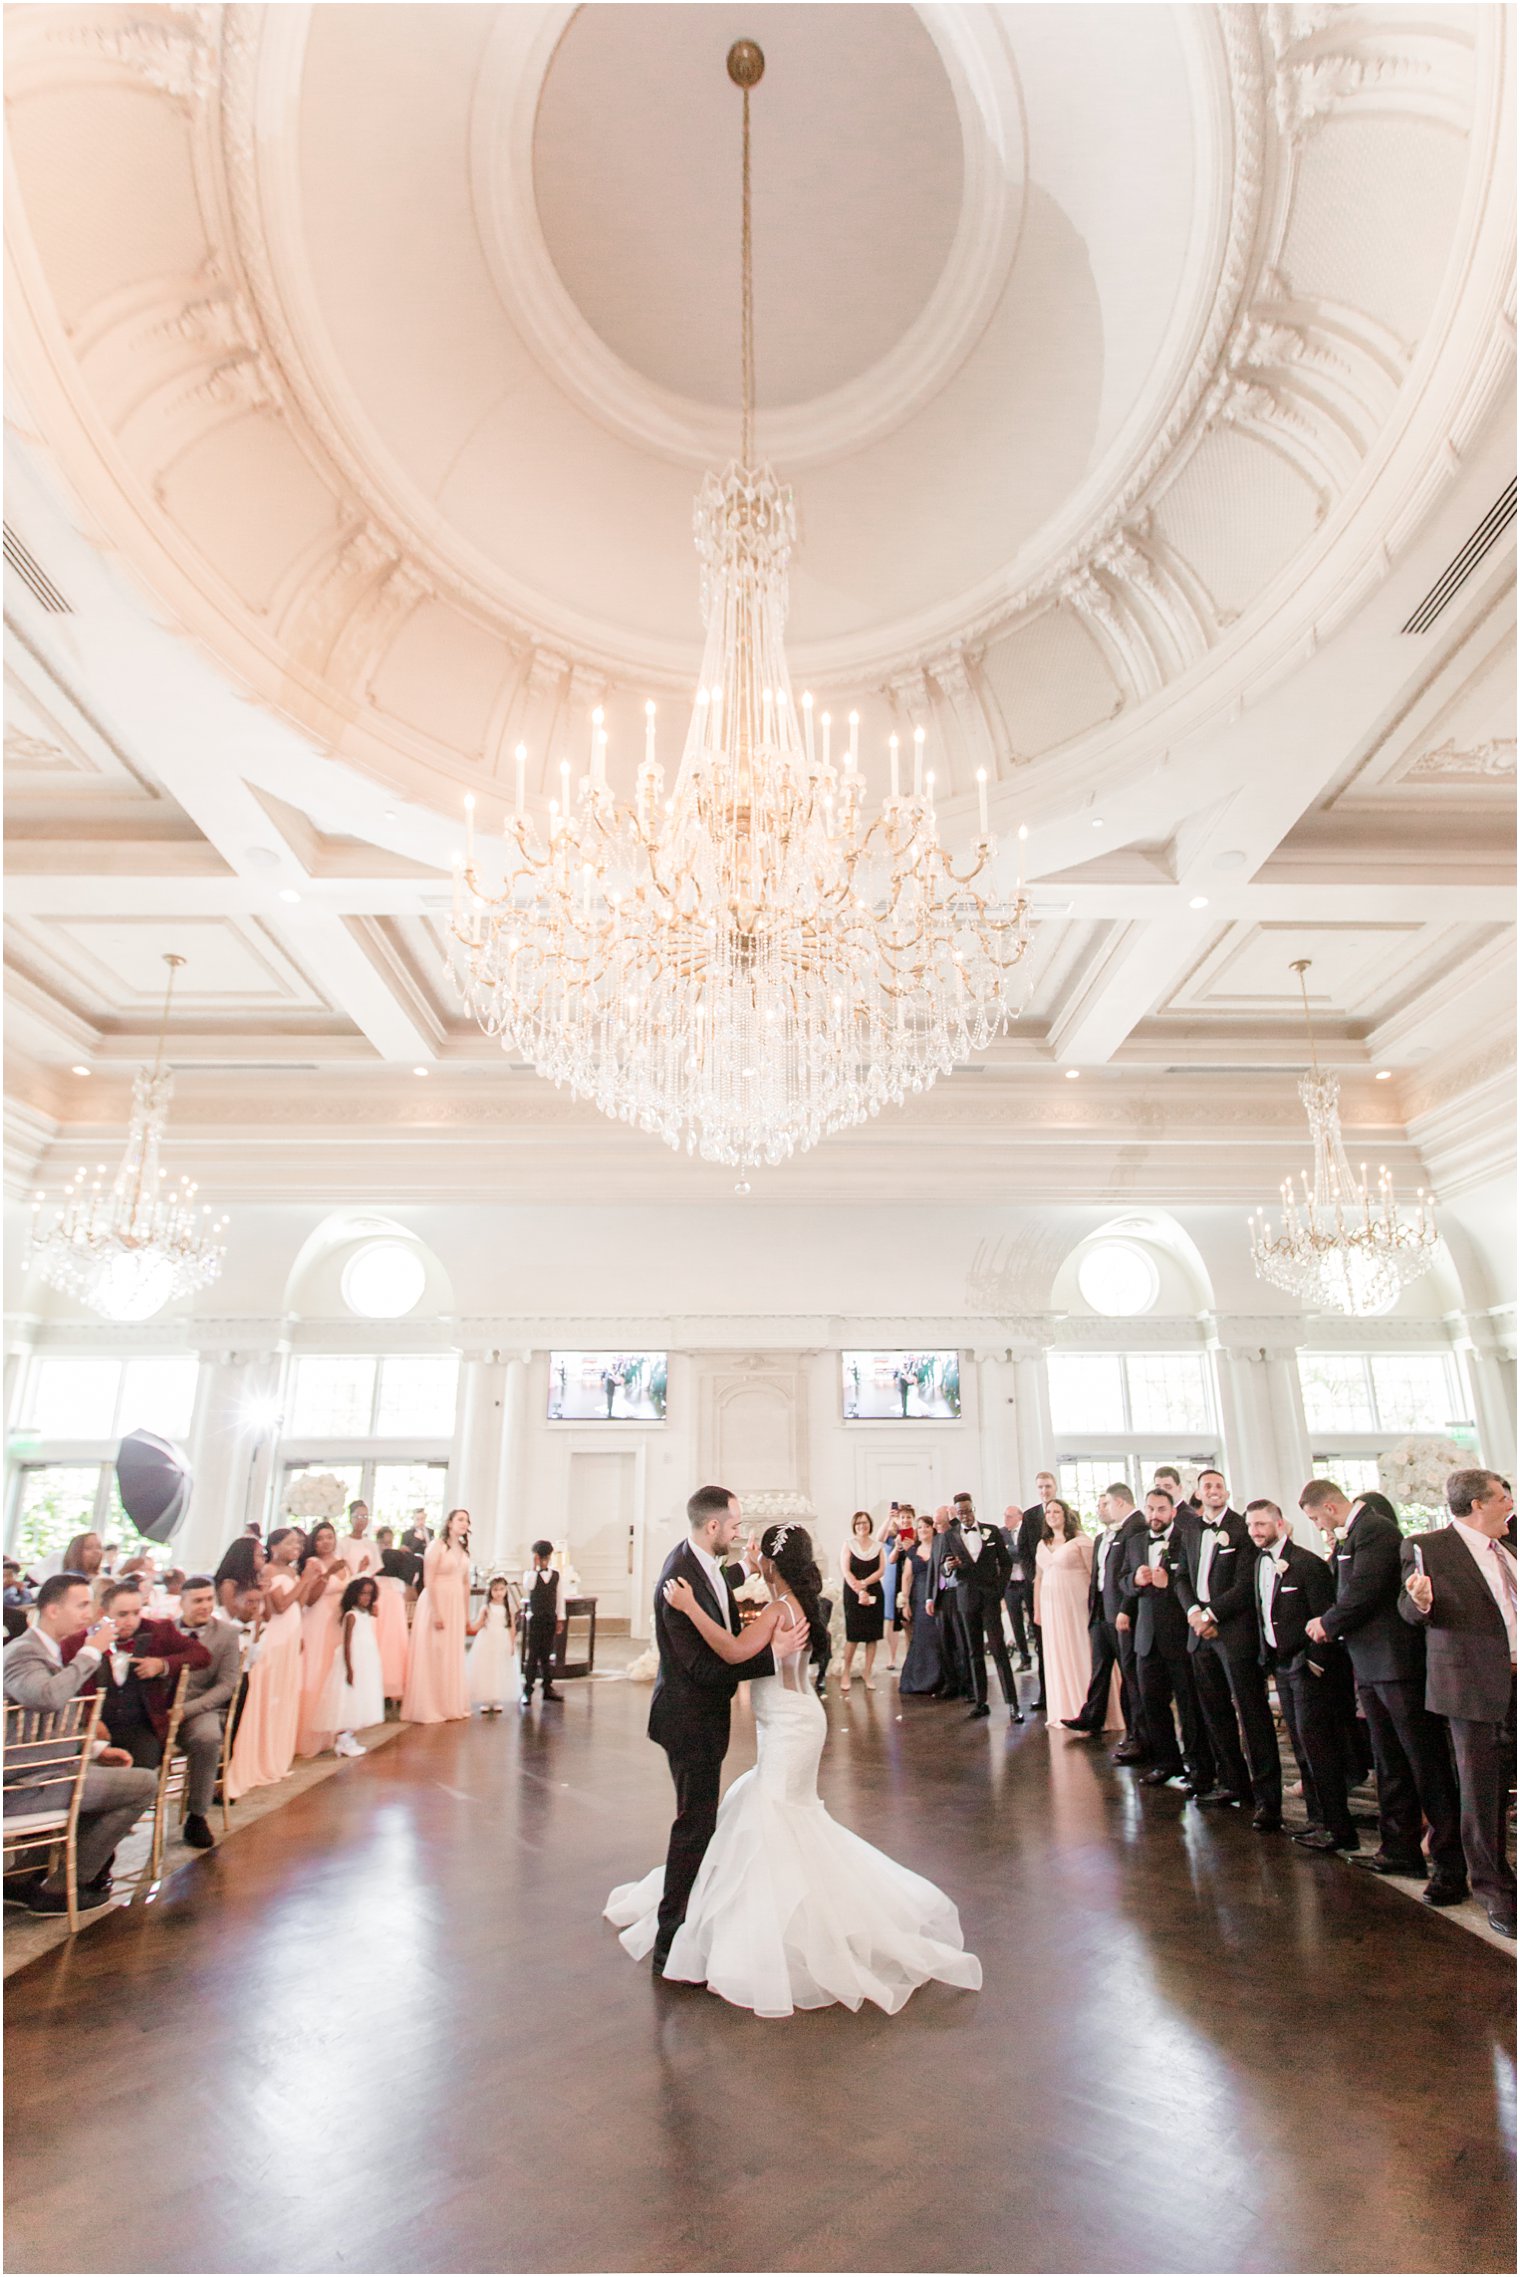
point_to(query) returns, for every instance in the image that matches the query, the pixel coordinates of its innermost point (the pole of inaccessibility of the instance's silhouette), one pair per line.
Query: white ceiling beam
(1138, 970)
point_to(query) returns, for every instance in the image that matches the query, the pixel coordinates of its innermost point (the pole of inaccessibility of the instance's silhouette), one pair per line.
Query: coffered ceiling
(1140, 372)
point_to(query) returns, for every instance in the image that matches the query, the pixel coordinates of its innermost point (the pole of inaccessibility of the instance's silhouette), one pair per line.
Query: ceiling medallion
(745, 962)
(1344, 1248)
(127, 1252)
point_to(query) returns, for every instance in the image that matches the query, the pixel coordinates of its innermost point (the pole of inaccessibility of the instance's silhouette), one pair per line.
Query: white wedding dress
(790, 1909)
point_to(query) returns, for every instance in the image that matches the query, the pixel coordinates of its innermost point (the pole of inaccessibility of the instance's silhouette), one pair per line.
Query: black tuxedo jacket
(1031, 1527)
(1160, 1622)
(1299, 1595)
(1232, 1582)
(987, 1575)
(1467, 1665)
(1108, 1598)
(688, 1714)
(1365, 1614)
(402, 1565)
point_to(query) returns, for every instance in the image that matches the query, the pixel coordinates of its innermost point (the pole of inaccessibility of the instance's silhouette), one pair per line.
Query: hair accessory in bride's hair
(779, 1543)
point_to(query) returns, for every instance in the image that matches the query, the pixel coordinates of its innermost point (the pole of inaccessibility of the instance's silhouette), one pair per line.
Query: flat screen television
(606, 1387)
(901, 1387)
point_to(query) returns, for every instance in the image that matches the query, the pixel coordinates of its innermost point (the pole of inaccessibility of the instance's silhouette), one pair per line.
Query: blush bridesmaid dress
(319, 1641)
(265, 1746)
(435, 1680)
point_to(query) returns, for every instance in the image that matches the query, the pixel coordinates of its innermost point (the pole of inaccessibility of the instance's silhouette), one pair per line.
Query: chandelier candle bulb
(1023, 840)
(522, 778)
(852, 758)
(892, 747)
(807, 729)
(981, 802)
(918, 762)
(826, 767)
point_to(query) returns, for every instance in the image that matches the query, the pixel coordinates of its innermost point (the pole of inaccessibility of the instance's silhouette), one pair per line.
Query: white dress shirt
(1483, 1547)
(1266, 1582)
(714, 1573)
(1206, 1556)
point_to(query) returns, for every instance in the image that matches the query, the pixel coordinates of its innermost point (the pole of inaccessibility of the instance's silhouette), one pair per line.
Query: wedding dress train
(790, 1909)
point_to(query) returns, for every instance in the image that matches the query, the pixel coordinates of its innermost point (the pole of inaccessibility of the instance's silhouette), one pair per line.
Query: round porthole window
(1119, 1279)
(383, 1280)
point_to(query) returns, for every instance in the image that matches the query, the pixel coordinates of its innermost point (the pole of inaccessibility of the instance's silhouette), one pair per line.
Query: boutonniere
(1279, 1565)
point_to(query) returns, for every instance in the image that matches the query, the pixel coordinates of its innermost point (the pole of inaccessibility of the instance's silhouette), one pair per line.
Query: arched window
(1118, 1278)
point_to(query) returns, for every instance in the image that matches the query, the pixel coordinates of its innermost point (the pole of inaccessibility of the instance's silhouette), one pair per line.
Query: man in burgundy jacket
(139, 1673)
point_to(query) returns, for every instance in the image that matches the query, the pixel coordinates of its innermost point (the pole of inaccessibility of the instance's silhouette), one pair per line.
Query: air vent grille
(1458, 570)
(34, 577)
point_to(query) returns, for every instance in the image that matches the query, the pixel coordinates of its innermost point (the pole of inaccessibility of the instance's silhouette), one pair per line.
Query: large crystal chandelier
(1344, 1247)
(746, 960)
(125, 1252)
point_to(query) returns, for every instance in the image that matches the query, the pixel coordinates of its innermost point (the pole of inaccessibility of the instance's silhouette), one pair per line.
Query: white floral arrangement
(752, 1590)
(316, 1495)
(1416, 1470)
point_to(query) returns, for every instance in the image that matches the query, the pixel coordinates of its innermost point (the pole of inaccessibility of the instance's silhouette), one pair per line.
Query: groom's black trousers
(697, 1780)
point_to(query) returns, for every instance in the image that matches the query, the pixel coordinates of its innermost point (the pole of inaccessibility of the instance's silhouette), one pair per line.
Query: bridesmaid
(324, 1577)
(265, 1746)
(923, 1670)
(1063, 1564)
(435, 1680)
(861, 1570)
(390, 1622)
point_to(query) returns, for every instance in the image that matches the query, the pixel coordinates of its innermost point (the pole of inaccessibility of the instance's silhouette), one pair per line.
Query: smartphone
(1419, 1559)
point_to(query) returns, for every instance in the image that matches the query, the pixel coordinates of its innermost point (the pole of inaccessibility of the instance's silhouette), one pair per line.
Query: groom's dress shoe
(981, 1709)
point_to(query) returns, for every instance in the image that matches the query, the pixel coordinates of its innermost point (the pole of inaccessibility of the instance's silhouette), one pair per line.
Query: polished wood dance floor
(386, 2030)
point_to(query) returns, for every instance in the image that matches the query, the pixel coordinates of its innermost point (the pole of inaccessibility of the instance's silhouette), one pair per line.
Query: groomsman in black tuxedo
(982, 1559)
(1416, 1784)
(1461, 1585)
(1216, 1580)
(1293, 1587)
(1109, 1628)
(941, 1606)
(1031, 1527)
(1163, 1666)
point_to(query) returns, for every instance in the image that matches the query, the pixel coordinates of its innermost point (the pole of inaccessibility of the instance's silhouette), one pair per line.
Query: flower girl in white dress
(790, 1909)
(491, 1668)
(355, 1696)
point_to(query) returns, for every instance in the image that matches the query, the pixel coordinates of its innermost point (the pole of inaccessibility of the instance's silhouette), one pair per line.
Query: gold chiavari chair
(229, 1734)
(173, 1772)
(61, 1743)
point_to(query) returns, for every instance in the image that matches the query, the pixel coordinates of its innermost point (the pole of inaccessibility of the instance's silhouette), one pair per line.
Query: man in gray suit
(207, 1694)
(115, 1795)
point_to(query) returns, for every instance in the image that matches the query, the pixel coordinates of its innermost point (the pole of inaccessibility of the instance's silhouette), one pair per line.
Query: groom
(688, 1715)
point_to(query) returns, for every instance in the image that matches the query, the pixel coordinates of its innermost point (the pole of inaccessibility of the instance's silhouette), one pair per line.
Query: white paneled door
(601, 1508)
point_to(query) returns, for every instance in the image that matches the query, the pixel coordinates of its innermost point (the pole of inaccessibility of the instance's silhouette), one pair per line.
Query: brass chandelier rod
(746, 68)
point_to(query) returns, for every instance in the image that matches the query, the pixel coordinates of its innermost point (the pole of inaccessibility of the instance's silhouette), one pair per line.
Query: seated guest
(1162, 1664)
(164, 1603)
(111, 1558)
(115, 1795)
(1294, 1586)
(17, 1599)
(83, 1555)
(1460, 1585)
(1415, 1781)
(139, 1673)
(206, 1697)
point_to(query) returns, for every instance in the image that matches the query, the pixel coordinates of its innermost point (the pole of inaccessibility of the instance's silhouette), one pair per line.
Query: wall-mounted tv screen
(896, 1387)
(606, 1387)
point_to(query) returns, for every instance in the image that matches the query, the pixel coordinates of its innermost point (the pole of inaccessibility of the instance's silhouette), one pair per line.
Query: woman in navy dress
(923, 1669)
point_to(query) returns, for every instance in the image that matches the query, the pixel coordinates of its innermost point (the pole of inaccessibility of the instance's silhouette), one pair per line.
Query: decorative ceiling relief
(1489, 762)
(360, 471)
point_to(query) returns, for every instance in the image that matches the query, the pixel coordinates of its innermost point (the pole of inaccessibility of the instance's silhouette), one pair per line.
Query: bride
(790, 1909)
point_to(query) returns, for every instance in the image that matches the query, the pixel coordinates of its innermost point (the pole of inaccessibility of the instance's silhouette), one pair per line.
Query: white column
(1034, 1436)
(475, 1462)
(1247, 1456)
(1289, 1425)
(1490, 1375)
(231, 1444)
(511, 1531)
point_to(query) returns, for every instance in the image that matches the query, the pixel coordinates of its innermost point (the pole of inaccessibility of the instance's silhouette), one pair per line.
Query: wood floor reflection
(386, 2030)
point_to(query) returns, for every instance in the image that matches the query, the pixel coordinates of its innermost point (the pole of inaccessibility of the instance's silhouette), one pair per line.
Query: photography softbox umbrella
(154, 1481)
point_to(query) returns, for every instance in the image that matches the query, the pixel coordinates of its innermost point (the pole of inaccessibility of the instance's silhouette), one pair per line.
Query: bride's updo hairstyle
(790, 1550)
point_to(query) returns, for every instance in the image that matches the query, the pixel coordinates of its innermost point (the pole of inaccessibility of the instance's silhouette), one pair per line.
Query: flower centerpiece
(314, 1494)
(1413, 1474)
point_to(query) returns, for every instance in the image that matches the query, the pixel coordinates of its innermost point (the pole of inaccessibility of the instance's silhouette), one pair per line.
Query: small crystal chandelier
(1344, 1248)
(746, 961)
(127, 1252)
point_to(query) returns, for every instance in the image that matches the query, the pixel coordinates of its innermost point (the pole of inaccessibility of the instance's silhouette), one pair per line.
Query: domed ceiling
(394, 341)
